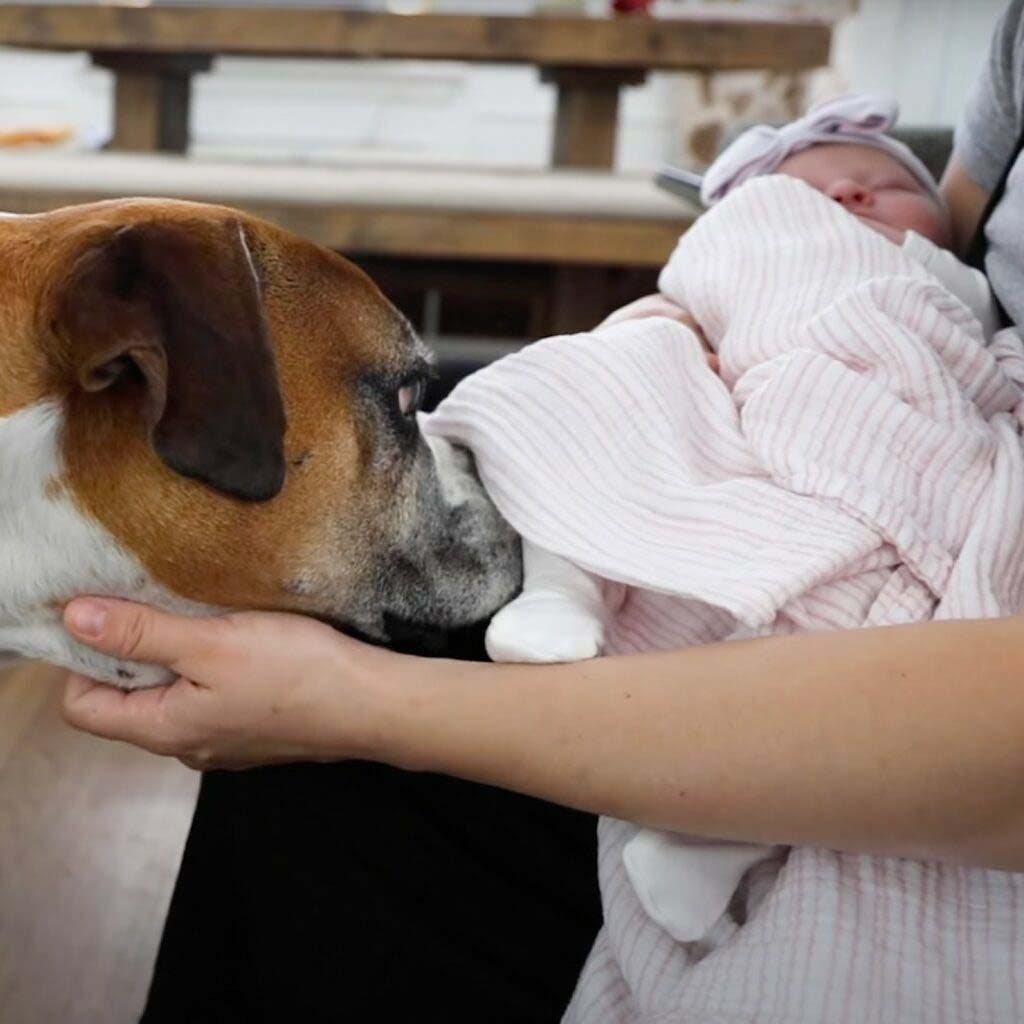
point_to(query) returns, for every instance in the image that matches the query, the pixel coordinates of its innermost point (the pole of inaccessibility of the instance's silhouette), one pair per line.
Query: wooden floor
(91, 835)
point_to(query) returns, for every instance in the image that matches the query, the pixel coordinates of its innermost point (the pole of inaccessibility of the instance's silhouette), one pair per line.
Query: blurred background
(925, 52)
(422, 120)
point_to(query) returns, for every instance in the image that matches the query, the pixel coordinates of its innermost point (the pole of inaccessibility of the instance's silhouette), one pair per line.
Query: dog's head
(201, 410)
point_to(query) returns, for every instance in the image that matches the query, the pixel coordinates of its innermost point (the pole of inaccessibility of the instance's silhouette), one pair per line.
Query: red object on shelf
(631, 6)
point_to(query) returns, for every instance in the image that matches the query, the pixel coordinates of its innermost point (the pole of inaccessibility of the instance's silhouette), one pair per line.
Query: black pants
(357, 892)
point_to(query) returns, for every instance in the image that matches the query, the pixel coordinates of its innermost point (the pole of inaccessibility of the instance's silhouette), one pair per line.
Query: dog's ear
(177, 305)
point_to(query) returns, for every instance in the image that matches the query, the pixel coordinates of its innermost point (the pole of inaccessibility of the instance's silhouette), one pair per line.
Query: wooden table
(154, 50)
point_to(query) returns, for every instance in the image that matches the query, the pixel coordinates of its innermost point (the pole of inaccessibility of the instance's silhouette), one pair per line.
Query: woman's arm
(991, 123)
(966, 200)
(906, 741)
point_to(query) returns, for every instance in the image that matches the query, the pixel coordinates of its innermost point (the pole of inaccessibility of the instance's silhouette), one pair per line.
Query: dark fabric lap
(359, 892)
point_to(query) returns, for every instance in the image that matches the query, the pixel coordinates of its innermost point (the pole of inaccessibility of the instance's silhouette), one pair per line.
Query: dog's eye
(410, 398)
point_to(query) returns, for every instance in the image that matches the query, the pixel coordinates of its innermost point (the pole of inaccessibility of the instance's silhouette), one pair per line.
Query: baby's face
(875, 187)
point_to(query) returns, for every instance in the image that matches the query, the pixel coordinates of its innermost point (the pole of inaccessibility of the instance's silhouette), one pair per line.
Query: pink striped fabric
(858, 462)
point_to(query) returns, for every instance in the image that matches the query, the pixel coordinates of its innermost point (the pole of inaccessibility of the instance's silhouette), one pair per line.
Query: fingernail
(86, 618)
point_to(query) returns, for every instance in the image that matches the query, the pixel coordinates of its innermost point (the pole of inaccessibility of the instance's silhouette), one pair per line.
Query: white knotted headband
(857, 118)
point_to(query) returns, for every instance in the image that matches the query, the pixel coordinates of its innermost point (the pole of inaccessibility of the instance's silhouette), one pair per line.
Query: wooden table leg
(579, 299)
(586, 122)
(152, 93)
(586, 128)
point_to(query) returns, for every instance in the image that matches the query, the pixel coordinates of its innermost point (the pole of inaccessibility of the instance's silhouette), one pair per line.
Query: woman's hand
(661, 305)
(254, 687)
(652, 305)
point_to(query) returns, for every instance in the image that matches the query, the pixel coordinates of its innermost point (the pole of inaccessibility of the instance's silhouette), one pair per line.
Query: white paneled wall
(924, 51)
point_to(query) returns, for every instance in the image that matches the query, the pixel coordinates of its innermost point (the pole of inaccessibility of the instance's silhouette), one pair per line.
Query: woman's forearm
(966, 201)
(905, 741)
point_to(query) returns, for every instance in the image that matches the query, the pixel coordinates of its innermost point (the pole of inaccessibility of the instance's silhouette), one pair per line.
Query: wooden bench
(578, 220)
(154, 50)
(576, 223)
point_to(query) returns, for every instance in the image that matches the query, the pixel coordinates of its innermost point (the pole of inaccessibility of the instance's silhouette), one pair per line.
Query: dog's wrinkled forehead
(317, 305)
(314, 297)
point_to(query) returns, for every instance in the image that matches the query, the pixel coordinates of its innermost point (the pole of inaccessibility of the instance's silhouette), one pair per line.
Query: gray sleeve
(994, 113)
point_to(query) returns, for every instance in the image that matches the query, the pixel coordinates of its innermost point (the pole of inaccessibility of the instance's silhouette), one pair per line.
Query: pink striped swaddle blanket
(857, 462)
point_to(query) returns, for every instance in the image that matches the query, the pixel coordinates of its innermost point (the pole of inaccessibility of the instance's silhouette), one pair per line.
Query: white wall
(924, 51)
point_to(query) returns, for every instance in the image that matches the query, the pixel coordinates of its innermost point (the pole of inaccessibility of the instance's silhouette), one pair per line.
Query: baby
(841, 150)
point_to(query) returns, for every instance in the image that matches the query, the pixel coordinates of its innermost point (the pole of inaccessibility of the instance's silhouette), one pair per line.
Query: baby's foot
(544, 626)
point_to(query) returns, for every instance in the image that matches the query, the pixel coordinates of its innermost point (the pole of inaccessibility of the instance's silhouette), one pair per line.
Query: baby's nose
(849, 193)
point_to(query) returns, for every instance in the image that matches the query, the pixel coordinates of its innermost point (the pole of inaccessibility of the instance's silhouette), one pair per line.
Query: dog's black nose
(409, 637)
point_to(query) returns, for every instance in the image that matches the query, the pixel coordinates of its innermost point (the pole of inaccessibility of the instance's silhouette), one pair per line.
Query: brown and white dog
(201, 411)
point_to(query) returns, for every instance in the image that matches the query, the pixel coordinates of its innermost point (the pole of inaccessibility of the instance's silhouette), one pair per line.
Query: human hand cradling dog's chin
(253, 687)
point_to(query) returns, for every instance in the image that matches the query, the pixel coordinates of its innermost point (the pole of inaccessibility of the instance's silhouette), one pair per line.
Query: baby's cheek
(923, 216)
